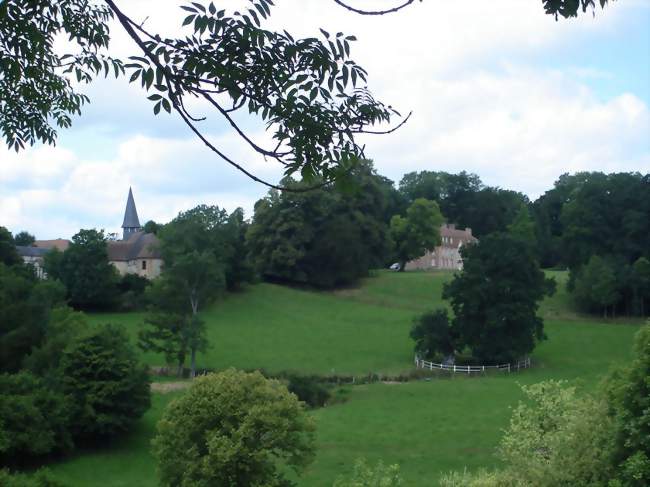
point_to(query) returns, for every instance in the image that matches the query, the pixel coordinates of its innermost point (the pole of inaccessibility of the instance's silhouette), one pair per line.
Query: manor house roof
(454, 237)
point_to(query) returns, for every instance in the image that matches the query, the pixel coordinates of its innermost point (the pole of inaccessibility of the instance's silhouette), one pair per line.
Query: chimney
(468, 231)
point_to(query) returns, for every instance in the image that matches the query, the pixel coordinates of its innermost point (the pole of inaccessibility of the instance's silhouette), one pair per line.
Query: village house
(447, 254)
(137, 253)
(34, 254)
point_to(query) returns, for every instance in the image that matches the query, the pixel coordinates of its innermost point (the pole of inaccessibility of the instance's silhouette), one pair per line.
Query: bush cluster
(309, 390)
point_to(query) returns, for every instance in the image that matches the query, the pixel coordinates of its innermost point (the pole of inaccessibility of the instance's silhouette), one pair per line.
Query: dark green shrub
(34, 419)
(309, 390)
(132, 287)
(40, 479)
(433, 335)
(108, 386)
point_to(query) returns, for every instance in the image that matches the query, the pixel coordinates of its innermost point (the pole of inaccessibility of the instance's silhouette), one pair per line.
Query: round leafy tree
(495, 299)
(109, 388)
(233, 429)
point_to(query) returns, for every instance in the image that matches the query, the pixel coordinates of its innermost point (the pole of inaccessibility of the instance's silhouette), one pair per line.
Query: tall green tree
(151, 227)
(8, 254)
(522, 226)
(90, 279)
(172, 327)
(25, 304)
(416, 233)
(595, 287)
(107, 385)
(239, 269)
(495, 299)
(641, 284)
(196, 247)
(24, 238)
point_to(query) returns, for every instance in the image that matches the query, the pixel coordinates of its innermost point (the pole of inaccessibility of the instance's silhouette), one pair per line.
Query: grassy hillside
(427, 427)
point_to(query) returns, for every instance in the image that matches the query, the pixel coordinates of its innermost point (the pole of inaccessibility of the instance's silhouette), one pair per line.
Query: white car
(394, 267)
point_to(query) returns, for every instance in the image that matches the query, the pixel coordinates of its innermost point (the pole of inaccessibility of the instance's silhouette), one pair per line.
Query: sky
(496, 88)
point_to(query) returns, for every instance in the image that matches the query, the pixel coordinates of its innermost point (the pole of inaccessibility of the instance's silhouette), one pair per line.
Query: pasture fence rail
(472, 369)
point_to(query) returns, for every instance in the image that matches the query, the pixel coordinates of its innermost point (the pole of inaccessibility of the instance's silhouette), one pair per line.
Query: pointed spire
(131, 222)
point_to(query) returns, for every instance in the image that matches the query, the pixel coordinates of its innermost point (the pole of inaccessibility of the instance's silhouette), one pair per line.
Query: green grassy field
(427, 427)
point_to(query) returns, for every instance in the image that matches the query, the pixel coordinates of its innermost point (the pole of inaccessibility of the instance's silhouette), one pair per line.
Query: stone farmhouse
(447, 254)
(137, 253)
(35, 253)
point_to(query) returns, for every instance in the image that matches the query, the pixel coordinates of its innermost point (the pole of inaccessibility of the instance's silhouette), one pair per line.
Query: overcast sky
(497, 88)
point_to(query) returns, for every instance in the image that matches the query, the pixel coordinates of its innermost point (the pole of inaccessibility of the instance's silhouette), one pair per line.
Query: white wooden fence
(471, 369)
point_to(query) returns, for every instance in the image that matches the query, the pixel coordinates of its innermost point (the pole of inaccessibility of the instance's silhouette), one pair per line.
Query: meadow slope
(427, 427)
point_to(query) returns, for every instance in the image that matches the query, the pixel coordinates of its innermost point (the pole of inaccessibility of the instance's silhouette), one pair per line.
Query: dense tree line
(598, 225)
(464, 199)
(324, 237)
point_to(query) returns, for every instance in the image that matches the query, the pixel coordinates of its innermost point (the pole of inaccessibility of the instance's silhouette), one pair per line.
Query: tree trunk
(402, 265)
(181, 364)
(194, 302)
(193, 363)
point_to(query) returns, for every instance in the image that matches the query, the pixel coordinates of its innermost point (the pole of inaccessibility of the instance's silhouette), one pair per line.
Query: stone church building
(138, 252)
(447, 254)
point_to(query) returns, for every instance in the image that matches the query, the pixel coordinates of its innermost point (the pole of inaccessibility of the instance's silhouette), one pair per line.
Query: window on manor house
(144, 265)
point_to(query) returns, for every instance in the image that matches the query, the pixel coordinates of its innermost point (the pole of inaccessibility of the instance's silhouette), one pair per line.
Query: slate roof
(130, 214)
(25, 251)
(140, 245)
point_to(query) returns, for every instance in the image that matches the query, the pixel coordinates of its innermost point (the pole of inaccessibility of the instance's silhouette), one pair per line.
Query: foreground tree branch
(374, 12)
(312, 97)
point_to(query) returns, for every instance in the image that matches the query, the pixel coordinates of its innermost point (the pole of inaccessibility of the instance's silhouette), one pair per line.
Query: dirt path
(165, 387)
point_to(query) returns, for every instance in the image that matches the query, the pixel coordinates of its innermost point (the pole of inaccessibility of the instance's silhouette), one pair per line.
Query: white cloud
(519, 129)
(167, 175)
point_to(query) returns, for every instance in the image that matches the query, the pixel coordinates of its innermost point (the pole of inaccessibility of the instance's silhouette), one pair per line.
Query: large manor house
(447, 254)
(137, 253)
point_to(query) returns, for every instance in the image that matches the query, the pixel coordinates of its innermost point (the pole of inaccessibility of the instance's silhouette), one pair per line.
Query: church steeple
(131, 223)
